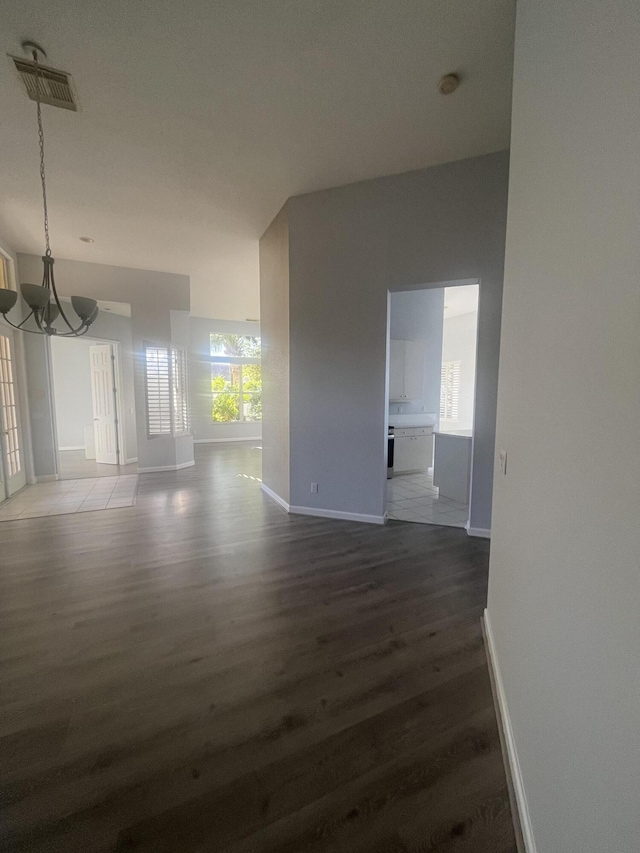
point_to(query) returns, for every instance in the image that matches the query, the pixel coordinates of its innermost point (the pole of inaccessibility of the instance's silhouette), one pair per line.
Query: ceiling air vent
(55, 86)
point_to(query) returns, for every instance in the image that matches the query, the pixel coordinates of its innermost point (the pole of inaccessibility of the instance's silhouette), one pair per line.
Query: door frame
(122, 459)
(20, 365)
(428, 286)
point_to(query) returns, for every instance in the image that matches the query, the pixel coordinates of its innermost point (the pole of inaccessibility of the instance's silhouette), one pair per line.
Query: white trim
(322, 513)
(275, 497)
(225, 440)
(333, 513)
(73, 447)
(166, 468)
(131, 461)
(479, 532)
(511, 756)
(47, 478)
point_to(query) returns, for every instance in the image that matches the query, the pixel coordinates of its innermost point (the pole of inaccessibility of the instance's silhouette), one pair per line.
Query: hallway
(203, 672)
(74, 465)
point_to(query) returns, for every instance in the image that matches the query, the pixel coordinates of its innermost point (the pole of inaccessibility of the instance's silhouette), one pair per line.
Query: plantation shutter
(450, 391)
(179, 383)
(158, 391)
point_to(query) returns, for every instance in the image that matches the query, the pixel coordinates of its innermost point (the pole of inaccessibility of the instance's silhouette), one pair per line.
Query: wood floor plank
(204, 672)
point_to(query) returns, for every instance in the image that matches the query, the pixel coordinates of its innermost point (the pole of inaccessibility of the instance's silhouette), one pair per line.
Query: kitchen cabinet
(413, 450)
(406, 370)
(452, 464)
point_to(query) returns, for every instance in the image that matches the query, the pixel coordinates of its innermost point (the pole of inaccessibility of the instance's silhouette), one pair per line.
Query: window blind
(158, 390)
(450, 391)
(179, 385)
(167, 400)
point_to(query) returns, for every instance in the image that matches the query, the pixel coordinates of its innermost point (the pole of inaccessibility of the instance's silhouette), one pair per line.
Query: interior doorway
(12, 457)
(89, 415)
(431, 350)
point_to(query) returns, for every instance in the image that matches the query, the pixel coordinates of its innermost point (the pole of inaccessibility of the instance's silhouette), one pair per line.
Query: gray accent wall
(274, 323)
(564, 577)
(348, 247)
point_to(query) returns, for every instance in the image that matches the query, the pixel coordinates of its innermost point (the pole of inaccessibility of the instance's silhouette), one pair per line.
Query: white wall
(72, 382)
(564, 581)
(71, 369)
(152, 296)
(416, 315)
(348, 247)
(204, 429)
(275, 325)
(459, 335)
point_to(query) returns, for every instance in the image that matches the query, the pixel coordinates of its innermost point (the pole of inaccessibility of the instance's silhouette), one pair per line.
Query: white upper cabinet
(396, 370)
(406, 370)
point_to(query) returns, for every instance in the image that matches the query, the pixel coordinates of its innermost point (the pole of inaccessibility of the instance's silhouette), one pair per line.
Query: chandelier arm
(30, 314)
(21, 327)
(59, 304)
(82, 329)
(38, 319)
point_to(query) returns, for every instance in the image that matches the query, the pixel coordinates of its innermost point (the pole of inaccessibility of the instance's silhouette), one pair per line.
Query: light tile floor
(62, 497)
(413, 497)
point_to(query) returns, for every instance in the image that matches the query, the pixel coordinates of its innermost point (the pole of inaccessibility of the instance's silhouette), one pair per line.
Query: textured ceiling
(200, 118)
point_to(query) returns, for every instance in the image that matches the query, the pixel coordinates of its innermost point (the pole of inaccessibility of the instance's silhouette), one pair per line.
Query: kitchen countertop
(411, 426)
(456, 433)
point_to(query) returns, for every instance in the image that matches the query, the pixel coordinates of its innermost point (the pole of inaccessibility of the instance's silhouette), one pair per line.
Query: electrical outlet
(314, 488)
(503, 461)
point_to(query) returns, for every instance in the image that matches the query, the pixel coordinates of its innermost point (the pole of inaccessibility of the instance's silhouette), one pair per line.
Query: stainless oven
(391, 441)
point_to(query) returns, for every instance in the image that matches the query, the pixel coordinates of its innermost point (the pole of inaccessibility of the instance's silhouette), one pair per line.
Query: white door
(103, 392)
(12, 456)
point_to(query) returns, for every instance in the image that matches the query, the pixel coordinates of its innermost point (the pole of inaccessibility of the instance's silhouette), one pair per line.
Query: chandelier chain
(42, 172)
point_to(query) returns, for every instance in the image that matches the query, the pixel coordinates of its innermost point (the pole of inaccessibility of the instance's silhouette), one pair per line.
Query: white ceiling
(200, 118)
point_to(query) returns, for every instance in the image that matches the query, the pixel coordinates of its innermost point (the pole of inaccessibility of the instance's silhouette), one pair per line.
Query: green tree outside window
(236, 384)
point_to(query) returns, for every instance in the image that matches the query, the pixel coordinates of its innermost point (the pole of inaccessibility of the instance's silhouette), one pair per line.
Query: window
(167, 403)
(450, 390)
(179, 385)
(236, 378)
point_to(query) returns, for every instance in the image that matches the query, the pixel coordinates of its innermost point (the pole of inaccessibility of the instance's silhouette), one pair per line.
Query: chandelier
(42, 299)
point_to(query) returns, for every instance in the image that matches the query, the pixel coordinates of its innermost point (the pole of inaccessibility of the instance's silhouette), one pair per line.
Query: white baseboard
(47, 478)
(522, 819)
(479, 532)
(131, 461)
(275, 497)
(226, 440)
(73, 447)
(322, 513)
(166, 468)
(342, 516)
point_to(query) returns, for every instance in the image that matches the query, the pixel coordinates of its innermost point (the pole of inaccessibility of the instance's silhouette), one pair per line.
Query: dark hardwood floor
(202, 672)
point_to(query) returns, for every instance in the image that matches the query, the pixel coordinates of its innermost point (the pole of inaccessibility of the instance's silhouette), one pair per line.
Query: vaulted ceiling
(200, 118)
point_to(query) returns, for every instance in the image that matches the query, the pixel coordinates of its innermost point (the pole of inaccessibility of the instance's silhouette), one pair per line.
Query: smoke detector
(52, 85)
